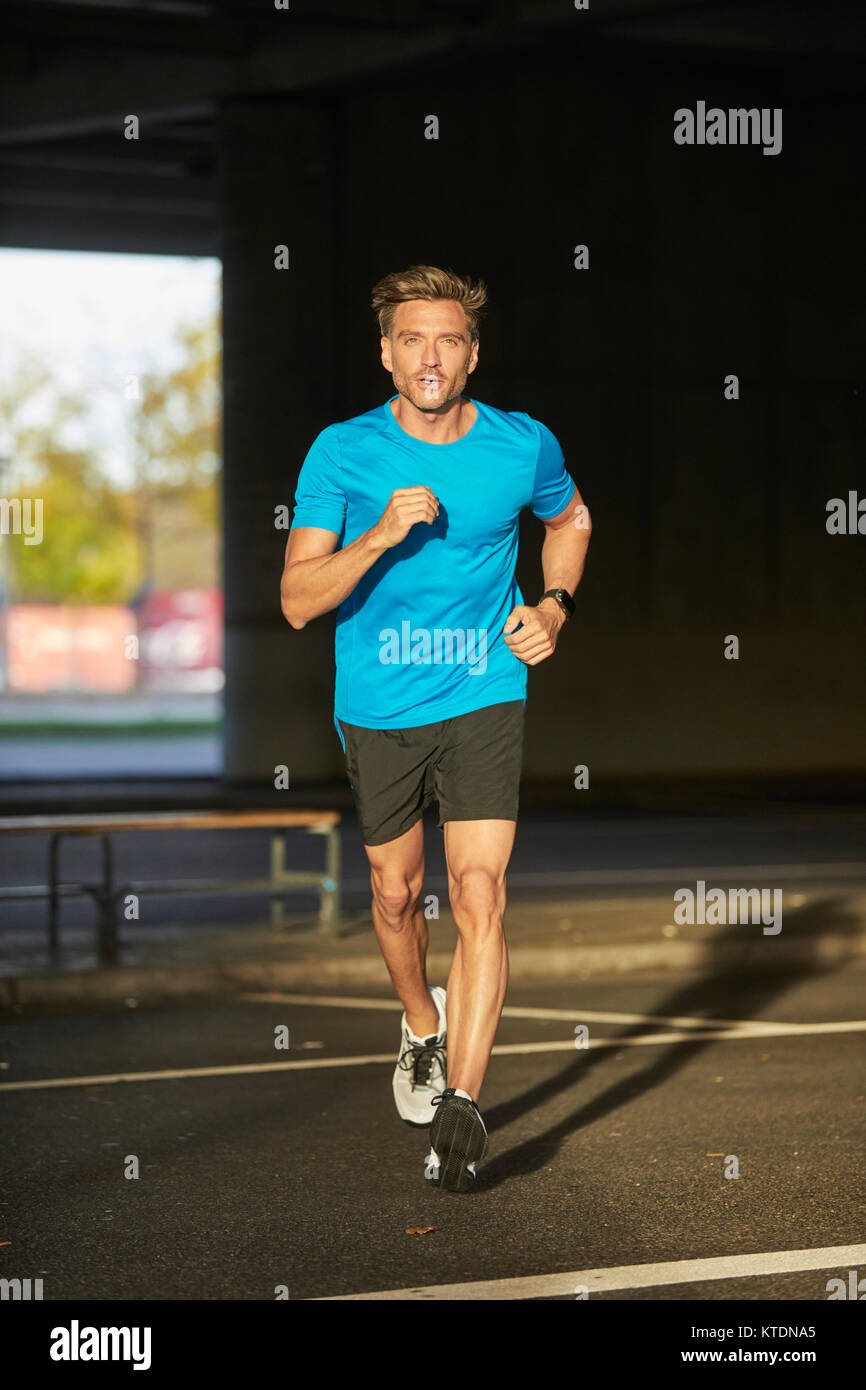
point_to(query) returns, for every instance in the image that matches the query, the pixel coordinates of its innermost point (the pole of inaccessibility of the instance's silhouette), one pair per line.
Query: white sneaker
(420, 1071)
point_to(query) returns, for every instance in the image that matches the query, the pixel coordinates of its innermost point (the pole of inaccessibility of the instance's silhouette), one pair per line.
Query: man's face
(429, 354)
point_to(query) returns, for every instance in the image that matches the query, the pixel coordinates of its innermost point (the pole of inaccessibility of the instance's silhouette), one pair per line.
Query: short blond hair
(428, 282)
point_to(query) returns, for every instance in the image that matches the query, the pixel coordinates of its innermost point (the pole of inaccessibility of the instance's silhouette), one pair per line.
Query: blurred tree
(87, 553)
(102, 543)
(176, 432)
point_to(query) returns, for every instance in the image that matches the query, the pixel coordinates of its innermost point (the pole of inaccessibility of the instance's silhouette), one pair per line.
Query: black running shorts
(469, 764)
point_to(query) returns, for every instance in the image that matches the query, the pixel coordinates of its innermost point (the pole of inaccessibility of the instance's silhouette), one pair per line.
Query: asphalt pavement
(707, 1120)
(706, 1144)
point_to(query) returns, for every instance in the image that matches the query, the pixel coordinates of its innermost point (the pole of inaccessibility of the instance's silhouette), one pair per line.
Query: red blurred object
(54, 647)
(181, 640)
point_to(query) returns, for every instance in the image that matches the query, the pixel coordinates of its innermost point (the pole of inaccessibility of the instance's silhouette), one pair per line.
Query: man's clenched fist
(407, 506)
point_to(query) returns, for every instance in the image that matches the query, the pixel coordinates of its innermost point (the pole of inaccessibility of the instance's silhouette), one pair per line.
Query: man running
(406, 521)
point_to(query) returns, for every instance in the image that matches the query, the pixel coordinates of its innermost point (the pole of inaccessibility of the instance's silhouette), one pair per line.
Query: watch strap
(562, 597)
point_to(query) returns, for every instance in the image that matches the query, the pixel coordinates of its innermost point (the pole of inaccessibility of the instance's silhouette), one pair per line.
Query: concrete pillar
(277, 188)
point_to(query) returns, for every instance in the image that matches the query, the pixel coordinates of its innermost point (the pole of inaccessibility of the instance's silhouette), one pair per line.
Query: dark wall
(709, 514)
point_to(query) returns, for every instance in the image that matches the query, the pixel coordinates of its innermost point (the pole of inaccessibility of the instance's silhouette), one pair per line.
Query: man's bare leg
(397, 877)
(477, 853)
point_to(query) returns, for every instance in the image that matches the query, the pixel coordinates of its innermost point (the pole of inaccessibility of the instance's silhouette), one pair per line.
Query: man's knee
(478, 896)
(396, 896)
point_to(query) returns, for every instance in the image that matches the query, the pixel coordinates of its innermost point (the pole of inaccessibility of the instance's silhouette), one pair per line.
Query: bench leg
(329, 893)
(53, 901)
(107, 908)
(278, 864)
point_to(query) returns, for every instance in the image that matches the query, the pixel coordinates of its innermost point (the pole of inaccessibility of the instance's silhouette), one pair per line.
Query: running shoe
(419, 1075)
(458, 1140)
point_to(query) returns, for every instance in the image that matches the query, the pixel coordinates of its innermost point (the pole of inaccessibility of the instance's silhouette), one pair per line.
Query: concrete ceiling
(71, 70)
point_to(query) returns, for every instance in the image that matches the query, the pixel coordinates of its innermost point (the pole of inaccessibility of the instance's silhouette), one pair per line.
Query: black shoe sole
(459, 1140)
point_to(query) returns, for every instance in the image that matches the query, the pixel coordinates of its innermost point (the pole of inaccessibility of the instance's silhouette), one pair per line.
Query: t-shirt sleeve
(319, 496)
(554, 486)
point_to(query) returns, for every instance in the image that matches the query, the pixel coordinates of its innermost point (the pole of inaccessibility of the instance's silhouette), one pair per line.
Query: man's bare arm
(531, 630)
(316, 577)
(563, 553)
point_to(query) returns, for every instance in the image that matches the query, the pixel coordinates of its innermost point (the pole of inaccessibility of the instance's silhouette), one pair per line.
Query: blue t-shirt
(420, 637)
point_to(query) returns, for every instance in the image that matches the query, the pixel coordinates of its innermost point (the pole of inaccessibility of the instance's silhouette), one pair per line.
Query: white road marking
(842, 1257)
(506, 1050)
(338, 1001)
(188, 1073)
(770, 1030)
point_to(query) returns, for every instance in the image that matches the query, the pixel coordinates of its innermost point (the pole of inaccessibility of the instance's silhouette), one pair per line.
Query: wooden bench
(107, 893)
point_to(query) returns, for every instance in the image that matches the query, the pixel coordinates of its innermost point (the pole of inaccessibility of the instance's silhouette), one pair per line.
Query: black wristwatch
(563, 598)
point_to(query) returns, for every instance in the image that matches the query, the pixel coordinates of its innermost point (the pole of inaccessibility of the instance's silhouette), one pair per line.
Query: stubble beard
(416, 393)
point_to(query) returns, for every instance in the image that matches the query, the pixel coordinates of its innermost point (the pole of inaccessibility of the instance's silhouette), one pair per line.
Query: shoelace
(418, 1058)
(444, 1095)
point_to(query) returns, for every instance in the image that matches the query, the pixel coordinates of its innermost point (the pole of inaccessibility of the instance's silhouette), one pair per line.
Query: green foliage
(88, 552)
(99, 540)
